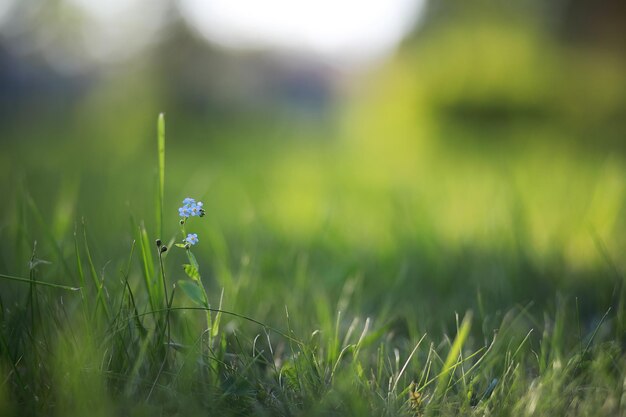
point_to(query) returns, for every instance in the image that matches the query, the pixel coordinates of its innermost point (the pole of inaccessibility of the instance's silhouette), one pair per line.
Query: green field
(447, 243)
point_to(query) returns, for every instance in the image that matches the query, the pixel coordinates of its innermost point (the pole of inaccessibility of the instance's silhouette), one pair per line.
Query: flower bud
(163, 248)
(158, 243)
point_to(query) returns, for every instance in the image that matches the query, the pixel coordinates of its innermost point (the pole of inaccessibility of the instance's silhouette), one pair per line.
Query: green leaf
(191, 272)
(179, 245)
(194, 292)
(192, 260)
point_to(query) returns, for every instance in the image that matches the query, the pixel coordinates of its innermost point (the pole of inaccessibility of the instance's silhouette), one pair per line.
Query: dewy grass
(139, 338)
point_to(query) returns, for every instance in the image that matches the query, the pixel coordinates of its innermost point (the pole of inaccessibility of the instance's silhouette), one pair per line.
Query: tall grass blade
(161, 153)
(455, 351)
(147, 263)
(399, 375)
(94, 275)
(218, 316)
(79, 263)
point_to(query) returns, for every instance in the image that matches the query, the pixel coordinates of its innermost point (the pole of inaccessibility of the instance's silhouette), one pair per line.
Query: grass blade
(148, 268)
(455, 350)
(31, 281)
(94, 275)
(161, 153)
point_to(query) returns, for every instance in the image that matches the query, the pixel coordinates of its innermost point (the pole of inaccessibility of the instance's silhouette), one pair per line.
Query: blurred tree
(599, 23)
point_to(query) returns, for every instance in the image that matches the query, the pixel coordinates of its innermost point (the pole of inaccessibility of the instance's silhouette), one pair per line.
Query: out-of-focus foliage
(487, 151)
(481, 167)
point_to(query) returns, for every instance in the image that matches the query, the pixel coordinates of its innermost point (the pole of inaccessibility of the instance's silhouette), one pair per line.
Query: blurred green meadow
(480, 169)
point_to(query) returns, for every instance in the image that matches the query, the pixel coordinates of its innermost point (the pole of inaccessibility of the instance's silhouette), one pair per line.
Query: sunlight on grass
(335, 255)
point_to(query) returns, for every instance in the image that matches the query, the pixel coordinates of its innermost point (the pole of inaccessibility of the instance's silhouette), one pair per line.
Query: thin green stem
(230, 313)
(167, 306)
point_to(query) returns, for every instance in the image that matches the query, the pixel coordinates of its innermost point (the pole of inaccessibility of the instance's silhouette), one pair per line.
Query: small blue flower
(201, 211)
(191, 208)
(191, 238)
(195, 210)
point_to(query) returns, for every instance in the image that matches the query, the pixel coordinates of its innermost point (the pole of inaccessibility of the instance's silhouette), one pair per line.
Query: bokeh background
(427, 156)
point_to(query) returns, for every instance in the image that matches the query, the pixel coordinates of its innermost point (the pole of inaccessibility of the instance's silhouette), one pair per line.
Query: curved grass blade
(46, 284)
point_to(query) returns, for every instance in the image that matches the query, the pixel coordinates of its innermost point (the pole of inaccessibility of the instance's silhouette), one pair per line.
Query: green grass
(448, 242)
(378, 278)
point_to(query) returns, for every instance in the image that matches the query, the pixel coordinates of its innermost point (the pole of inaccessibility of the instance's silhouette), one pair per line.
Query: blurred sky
(87, 37)
(246, 53)
(73, 34)
(341, 30)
